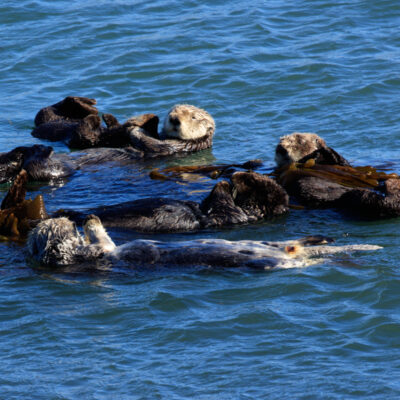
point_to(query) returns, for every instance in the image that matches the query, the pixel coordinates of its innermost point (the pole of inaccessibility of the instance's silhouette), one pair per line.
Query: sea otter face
(54, 241)
(188, 122)
(294, 147)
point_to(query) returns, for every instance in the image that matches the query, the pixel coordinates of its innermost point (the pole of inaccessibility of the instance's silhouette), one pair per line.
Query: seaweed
(353, 177)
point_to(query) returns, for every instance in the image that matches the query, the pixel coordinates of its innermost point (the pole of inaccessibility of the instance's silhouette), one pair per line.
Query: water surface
(262, 69)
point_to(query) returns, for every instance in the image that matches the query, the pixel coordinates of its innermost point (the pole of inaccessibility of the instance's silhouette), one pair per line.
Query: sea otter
(43, 164)
(186, 129)
(300, 147)
(75, 121)
(317, 176)
(56, 242)
(247, 197)
(40, 163)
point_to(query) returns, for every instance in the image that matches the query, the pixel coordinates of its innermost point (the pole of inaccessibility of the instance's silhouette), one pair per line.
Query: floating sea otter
(247, 197)
(75, 120)
(300, 147)
(57, 242)
(317, 176)
(40, 163)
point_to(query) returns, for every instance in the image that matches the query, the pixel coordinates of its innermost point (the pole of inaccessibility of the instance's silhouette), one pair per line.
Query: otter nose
(174, 120)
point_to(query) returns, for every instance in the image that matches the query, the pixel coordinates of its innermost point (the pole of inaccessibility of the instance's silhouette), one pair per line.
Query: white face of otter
(294, 147)
(188, 122)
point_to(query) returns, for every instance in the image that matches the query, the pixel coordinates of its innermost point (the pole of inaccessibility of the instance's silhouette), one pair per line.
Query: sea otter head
(188, 122)
(294, 147)
(53, 242)
(300, 147)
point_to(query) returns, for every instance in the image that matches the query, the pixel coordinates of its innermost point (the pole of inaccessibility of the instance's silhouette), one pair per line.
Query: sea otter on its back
(76, 121)
(300, 147)
(186, 129)
(56, 242)
(319, 177)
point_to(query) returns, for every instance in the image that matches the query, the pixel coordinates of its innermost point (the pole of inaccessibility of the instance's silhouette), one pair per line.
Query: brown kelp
(17, 214)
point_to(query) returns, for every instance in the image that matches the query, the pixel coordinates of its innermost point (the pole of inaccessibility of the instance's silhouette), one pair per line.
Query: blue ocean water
(262, 69)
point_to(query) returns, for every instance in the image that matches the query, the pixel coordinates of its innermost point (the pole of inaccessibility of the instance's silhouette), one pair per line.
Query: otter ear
(210, 130)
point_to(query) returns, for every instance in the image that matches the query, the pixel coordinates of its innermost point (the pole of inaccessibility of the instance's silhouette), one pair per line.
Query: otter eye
(194, 117)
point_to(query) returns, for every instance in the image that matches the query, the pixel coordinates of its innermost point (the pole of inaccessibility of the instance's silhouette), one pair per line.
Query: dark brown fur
(75, 121)
(71, 109)
(152, 147)
(247, 198)
(379, 201)
(37, 160)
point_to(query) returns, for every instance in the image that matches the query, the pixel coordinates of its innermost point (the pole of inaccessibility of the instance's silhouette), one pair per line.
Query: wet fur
(56, 242)
(299, 147)
(187, 122)
(75, 121)
(38, 161)
(315, 192)
(246, 198)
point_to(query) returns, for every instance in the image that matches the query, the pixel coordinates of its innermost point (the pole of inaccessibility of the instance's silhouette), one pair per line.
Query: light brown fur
(187, 122)
(96, 234)
(294, 147)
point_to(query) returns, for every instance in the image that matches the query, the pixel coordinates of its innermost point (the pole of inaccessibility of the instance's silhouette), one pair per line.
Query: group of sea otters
(308, 173)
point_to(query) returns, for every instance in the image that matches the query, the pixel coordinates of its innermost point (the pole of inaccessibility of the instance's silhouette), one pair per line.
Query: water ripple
(262, 70)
